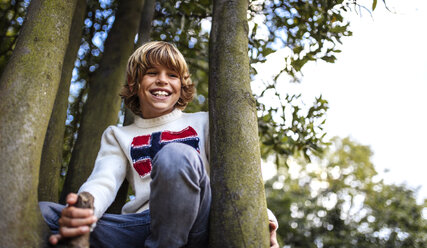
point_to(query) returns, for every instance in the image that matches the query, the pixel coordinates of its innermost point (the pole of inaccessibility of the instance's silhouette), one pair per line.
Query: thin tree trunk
(238, 211)
(50, 164)
(103, 101)
(144, 34)
(143, 37)
(27, 93)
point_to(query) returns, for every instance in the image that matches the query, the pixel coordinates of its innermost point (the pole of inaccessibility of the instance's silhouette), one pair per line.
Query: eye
(151, 72)
(174, 75)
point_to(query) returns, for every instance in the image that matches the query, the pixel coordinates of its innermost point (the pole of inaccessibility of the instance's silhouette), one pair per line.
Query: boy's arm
(108, 173)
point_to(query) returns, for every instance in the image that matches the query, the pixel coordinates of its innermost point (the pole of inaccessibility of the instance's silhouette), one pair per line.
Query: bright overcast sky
(377, 89)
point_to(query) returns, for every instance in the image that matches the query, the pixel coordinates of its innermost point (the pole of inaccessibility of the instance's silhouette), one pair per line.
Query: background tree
(339, 200)
(143, 36)
(98, 21)
(103, 102)
(28, 87)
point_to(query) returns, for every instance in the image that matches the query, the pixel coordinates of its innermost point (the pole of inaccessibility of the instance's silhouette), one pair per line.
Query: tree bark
(143, 37)
(27, 92)
(238, 211)
(144, 33)
(50, 165)
(103, 101)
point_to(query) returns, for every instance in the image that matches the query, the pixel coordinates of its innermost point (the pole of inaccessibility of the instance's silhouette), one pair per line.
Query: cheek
(178, 87)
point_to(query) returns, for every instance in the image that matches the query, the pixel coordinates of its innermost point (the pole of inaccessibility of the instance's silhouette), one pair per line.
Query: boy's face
(159, 91)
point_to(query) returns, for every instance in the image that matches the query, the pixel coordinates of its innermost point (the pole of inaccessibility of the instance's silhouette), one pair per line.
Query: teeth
(160, 93)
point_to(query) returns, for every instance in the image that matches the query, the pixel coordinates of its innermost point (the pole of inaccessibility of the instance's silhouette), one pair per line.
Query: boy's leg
(180, 198)
(112, 230)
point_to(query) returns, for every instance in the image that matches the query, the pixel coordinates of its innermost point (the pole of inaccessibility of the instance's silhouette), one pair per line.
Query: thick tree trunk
(50, 164)
(103, 101)
(238, 214)
(27, 92)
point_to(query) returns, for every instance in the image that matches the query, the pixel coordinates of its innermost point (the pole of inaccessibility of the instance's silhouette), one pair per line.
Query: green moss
(28, 86)
(239, 217)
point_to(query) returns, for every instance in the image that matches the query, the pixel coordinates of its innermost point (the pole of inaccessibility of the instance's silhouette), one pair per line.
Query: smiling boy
(164, 156)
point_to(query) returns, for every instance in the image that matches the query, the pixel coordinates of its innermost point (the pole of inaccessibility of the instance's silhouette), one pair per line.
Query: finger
(73, 212)
(73, 231)
(76, 222)
(71, 199)
(54, 239)
(273, 225)
(273, 240)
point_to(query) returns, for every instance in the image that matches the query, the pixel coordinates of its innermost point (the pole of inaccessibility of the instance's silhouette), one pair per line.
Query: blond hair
(147, 56)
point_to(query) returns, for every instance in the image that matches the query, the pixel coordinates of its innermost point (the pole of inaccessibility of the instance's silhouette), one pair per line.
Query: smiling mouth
(160, 93)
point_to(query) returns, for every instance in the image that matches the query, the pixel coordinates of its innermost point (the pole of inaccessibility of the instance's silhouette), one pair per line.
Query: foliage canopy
(338, 200)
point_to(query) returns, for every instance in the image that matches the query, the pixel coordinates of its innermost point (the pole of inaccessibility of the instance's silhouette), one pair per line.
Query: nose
(162, 77)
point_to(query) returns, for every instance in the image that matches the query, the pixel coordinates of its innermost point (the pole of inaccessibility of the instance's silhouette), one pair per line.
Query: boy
(164, 156)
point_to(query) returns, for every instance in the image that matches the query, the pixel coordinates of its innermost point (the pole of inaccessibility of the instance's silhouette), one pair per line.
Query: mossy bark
(103, 101)
(50, 164)
(238, 213)
(27, 93)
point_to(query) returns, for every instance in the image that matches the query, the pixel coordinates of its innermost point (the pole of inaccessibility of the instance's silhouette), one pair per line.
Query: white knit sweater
(127, 152)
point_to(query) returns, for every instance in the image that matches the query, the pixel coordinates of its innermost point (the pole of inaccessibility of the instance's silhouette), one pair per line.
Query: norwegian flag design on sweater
(145, 147)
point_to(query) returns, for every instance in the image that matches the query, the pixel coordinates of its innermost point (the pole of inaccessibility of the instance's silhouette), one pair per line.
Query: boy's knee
(176, 153)
(50, 207)
(178, 148)
(177, 157)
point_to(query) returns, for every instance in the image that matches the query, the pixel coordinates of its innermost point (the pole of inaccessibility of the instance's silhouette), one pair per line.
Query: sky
(377, 89)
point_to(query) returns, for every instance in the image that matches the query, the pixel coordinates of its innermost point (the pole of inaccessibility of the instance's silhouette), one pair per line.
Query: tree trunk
(143, 37)
(27, 92)
(50, 164)
(144, 34)
(238, 211)
(103, 101)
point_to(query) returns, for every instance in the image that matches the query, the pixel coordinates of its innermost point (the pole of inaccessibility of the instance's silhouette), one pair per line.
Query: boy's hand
(74, 221)
(273, 238)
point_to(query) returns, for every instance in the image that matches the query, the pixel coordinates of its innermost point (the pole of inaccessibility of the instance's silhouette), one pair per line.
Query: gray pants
(180, 201)
(180, 198)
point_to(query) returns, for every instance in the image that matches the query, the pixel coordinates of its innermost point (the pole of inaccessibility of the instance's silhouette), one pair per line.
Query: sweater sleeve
(108, 173)
(207, 140)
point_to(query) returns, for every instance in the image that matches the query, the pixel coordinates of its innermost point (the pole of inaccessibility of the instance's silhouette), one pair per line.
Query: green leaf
(374, 4)
(330, 59)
